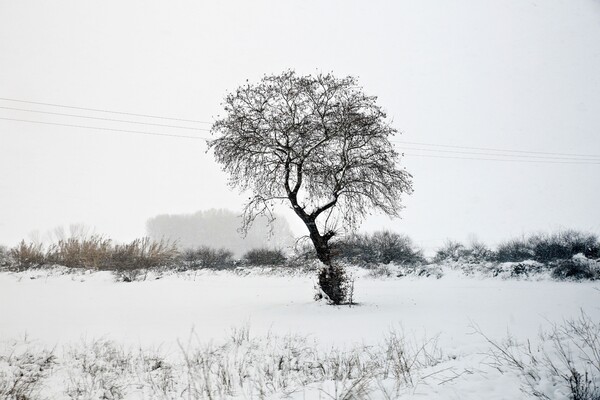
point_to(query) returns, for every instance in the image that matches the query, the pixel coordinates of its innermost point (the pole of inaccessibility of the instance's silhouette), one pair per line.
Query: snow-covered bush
(564, 245)
(451, 251)
(22, 370)
(93, 252)
(264, 256)
(546, 248)
(577, 268)
(565, 365)
(397, 271)
(207, 257)
(4, 257)
(514, 250)
(27, 255)
(381, 247)
(99, 370)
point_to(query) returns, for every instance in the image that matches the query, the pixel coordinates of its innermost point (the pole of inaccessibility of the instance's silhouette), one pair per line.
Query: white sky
(511, 74)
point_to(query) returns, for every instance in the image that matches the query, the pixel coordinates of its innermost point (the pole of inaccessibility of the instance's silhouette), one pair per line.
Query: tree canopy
(317, 143)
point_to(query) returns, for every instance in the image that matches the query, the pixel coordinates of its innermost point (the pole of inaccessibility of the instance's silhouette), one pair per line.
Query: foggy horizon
(496, 104)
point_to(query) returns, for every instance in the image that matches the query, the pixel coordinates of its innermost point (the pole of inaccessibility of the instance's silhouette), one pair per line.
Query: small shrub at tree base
(264, 257)
(335, 283)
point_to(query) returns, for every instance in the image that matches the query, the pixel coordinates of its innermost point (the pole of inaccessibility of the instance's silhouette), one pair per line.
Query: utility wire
(552, 161)
(544, 156)
(106, 111)
(105, 119)
(502, 155)
(105, 129)
(499, 150)
(504, 160)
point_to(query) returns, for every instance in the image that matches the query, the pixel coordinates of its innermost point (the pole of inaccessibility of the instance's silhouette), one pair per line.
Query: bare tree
(320, 145)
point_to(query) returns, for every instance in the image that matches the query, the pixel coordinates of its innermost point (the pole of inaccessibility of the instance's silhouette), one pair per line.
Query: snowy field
(435, 328)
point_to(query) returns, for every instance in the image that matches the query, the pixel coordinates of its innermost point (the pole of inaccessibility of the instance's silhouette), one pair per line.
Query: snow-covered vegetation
(255, 334)
(565, 255)
(166, 324)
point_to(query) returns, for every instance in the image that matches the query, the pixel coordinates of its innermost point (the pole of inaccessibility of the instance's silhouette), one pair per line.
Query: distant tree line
(218, 228)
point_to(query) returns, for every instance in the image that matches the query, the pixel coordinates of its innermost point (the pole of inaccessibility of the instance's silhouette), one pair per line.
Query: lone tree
(318, 144)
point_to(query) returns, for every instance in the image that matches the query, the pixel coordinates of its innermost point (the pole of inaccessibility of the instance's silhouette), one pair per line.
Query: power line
(556, 161)
(504, 160)
(105, 129)
(499, 150)
(503, 155)
(105, 119)
(542, 157)
(106, 111)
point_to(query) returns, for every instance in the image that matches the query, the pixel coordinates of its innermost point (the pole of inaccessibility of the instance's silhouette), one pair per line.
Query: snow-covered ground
(59, 311)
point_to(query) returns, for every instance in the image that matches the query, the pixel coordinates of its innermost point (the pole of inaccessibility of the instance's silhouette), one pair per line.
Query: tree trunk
(332, 277)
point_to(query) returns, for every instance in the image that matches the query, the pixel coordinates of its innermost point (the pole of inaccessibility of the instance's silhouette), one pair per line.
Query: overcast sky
(514, 74)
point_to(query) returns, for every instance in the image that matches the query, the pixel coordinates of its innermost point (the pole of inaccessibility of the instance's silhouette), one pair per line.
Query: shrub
(515, 250)
(478, 251)
(382, 247)
(335, 285)
(143, 253)
(4, 257)
(22, 372)
(566, 361)
(95, 252)
(27, 255)
(392, 247)
(575, 268)
(564, 245)
(546, 248)
(450, 251)
(264, 256)
(208, 257)
(90, 253)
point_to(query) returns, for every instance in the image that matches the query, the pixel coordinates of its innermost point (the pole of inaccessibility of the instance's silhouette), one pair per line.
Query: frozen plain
(56, 310)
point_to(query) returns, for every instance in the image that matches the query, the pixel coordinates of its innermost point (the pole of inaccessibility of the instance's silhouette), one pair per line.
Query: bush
(27, 255)
(382, 247)
(143, 253)
(450, 251)
(207, 257)
(95, 252)
(566, 361)
(515, 250)
(564, 245)
(575, 268)
(455, 251)
(4, 257)
(546, 248)
(335, 285)
(90, 253)
(264, 256)
(22, 372)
